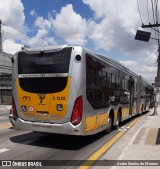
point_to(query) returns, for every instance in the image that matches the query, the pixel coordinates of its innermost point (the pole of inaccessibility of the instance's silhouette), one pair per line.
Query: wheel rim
(117, 123)
(109, 126)
(110, 123)
(118, 120)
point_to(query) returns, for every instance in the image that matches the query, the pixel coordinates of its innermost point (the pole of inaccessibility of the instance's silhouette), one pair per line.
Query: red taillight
(13, 110)
(76, 117)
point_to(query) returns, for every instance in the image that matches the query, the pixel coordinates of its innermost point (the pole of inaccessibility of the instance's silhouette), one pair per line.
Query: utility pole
(0, 36)
(157, 79)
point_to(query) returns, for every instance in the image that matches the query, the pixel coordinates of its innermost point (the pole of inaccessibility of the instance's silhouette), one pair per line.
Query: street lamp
(143, 35)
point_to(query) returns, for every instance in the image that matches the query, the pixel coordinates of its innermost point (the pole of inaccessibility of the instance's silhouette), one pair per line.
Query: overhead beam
(150, 25)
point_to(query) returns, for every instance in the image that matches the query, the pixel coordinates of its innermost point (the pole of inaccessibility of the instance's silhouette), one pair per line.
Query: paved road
(24, 145)
(4, 113)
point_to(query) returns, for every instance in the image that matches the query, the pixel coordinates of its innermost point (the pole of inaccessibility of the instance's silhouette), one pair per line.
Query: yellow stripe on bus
(125, 112)
(94, 122)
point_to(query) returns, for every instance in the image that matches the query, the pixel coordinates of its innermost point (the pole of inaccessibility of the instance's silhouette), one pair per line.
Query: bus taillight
(76, 117)
(14, 111)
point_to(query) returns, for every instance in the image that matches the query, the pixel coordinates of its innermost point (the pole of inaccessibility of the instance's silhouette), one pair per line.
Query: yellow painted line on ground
(7, 125)
(133, 122)
(92, 160)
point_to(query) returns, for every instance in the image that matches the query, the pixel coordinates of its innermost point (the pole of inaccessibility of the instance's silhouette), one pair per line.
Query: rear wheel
(110, 124)
(118, 120)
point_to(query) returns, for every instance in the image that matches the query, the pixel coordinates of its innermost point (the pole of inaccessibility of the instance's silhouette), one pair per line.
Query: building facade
(5, 78)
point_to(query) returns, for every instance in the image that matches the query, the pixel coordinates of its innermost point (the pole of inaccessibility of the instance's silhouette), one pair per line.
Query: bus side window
(113, 79)
(120, 83)
(117, 81)
(109, 78)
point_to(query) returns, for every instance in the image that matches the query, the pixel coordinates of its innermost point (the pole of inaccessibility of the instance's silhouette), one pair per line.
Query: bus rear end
(44, 96)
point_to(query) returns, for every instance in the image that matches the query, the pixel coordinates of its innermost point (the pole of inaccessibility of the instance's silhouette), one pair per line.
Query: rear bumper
(65, 128)
(11, 119)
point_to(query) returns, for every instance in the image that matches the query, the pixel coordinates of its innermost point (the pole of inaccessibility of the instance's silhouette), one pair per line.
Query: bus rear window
(52, 62)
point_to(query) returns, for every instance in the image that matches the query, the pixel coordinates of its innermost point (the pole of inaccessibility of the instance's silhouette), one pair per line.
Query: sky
(103, 26)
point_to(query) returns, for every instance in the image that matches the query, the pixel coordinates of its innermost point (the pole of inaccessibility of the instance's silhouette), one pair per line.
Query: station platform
(139, 142)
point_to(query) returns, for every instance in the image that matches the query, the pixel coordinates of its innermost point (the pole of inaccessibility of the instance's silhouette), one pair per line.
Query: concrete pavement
(4, 108)
(140, 142)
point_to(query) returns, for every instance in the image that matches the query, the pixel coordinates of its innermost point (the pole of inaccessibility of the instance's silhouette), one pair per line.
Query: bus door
(131, 97)
(146, 99)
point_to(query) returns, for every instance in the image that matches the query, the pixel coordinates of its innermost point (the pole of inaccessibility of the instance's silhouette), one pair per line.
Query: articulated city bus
(71, 90)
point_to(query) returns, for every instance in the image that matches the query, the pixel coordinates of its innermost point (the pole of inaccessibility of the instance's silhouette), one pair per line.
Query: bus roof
(43, 49)
(117, 64)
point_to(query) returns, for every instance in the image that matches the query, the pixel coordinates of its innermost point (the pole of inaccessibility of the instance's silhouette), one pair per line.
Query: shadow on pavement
(56, 140)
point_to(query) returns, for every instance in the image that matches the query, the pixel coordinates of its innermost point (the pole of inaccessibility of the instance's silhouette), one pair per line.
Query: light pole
(155, 102)
(145, 36)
